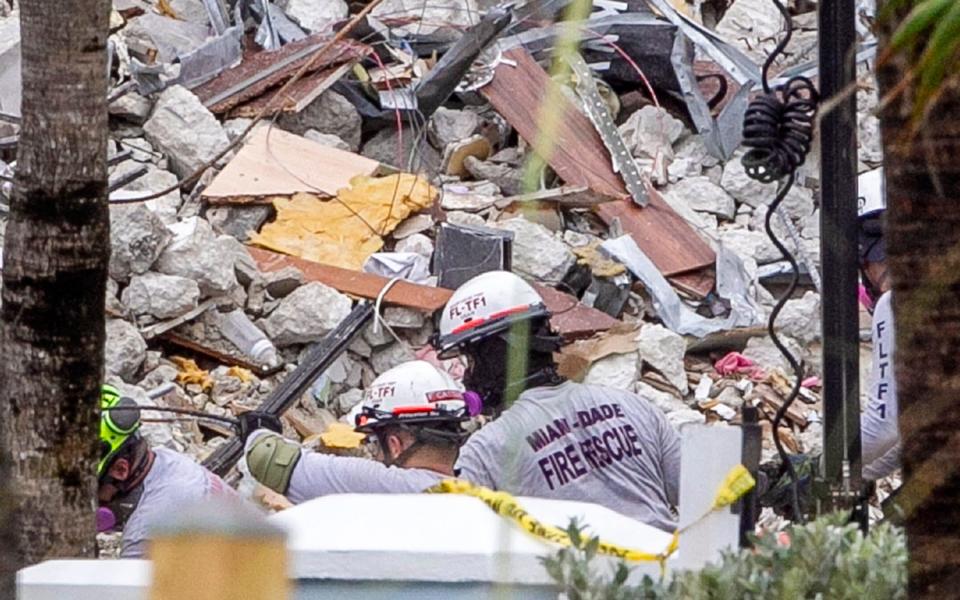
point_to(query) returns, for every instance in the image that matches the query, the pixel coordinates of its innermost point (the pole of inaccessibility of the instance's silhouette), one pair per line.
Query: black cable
(778, 129)
(179, 411)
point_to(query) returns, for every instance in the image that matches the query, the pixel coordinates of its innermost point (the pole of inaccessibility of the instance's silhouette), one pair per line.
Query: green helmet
(117, 427)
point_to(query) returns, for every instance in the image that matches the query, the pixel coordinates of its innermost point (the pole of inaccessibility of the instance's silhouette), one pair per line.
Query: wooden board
(580, 158)
(251, 78)
(289, 164)
(572, 319)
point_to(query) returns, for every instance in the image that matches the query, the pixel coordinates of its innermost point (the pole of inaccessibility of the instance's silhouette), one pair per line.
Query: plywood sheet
(286, 164)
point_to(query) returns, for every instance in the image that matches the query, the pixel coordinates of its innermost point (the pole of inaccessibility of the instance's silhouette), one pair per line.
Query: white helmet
(485, 305)
(415, 392)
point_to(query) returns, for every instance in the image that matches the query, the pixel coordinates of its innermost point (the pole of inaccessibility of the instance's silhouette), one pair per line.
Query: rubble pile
(405, 154)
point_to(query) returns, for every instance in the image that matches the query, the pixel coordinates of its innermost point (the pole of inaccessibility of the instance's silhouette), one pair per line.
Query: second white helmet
(414, 392)
(485, 305)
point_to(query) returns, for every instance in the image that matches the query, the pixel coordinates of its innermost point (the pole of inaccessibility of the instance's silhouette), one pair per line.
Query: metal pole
(838, 245)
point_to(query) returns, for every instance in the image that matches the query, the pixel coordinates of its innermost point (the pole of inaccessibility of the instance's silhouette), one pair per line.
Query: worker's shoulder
(583, 392)
(883, 308)
(176, 464)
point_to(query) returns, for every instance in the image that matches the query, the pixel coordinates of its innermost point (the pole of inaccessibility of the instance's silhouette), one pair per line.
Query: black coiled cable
(778, 129)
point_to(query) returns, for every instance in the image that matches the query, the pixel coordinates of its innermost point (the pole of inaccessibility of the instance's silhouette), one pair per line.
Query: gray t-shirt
(174, 481)
(878, 423)
(581, 442)
(318, 475)
(321, 474)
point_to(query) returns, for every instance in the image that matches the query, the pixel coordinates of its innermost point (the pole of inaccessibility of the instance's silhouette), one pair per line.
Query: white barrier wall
(439, 545)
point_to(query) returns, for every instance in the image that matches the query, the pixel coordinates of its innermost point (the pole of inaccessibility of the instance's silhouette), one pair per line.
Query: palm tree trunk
(923, 246)
(54, 276)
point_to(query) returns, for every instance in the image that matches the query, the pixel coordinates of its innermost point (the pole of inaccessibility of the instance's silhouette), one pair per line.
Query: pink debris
(454, 366)
(734, 362)
(864, 298)
(811, 382)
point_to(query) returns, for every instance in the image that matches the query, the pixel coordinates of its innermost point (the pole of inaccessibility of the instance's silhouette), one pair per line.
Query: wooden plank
(290, 164)
(298, 97)
(261, 71)
(572, 319)
(580, 158)
(355, 283)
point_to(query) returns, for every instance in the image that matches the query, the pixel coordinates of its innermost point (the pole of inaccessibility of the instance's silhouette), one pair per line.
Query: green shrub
(824, 559)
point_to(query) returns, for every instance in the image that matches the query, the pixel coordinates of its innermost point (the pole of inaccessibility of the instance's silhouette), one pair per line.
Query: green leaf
(939, 57)
(921, 18)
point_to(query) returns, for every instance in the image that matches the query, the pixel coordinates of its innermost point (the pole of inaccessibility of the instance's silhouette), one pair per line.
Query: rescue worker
(558, 439)
(139, 486)
(414, 415)
(878, 424)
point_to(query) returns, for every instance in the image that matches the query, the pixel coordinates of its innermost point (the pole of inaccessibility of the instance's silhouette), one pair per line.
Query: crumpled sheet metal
(738, 64)
(732, 285)
(345, 231)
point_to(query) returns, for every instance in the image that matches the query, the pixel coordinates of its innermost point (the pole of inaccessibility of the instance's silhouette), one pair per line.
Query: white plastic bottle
(239, 329)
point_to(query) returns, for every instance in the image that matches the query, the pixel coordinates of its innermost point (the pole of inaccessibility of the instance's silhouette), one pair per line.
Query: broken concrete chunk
(140, 149)
(798, 203)
(137, 239)
(330, 113)
(537, 253)
(416, 243)
(509, 179)
(470, 197)
(196, 253)
(749, 25)
(651, 131)
(161, 296)
(464, 218)
(124, 350)
(750, 244)
(618, 371)
(664, 350)
(403, 318)
(315, 16)
(762, 351)
(155, 180)
(327, 139)
(348, 400)
(306, 315)
(184, 130)
(702, 195)
(688, 416)
(412, 225)
(377, 337)
(282, 283)
(448, 126)
(131, 107)
(665, 401)
(413, 155)
(388, 357)
(800, 318)
(238, 221)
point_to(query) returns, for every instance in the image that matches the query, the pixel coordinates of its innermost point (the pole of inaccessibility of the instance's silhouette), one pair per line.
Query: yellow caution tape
(737, 483)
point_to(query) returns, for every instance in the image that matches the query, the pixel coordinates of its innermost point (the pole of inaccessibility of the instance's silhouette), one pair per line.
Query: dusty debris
(306, 315)
(160, 296)
(137, 238)
(197, 253)
(537, 253)
(124, 349)
(184, 130)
